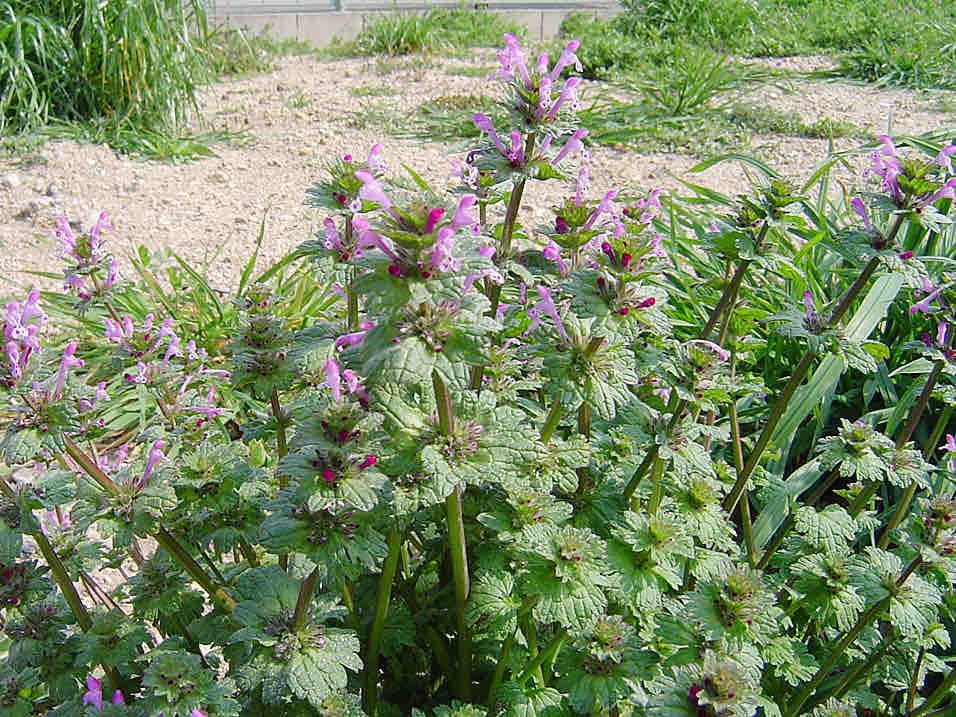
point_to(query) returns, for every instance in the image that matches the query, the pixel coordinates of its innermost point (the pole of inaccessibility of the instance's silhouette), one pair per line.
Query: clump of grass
(893, 43)
(763, 119)
(407, 33)
(232, 51)
(469, 71)
(374, 91)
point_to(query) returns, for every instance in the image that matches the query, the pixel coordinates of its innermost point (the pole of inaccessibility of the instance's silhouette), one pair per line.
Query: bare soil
(295, 117)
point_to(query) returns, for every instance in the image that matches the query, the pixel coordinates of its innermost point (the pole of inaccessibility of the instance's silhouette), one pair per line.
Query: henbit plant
(441, 468)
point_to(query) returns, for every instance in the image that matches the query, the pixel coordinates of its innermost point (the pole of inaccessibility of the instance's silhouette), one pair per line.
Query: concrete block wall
(318, 24)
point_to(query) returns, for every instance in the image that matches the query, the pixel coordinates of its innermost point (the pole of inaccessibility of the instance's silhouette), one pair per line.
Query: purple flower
(722, 353)
(512, 60)
(140, 376)
(569, 93)
(856, 204)
(581, 186)
(544, 97)
(491, 273)
(208, 410)
(354, 338)
(574, 144)
(155, 456)
(374, 161)
(463, 216)
(552, 252)
(372, 190)
(925, 305)
(886, 165)
(942, 329)
(605, 206)
(948, 190)
(546, 306)
(67, 362)
(118, 699)
(485, 125)
(442, 258)
(94, 693)
(516, 155)
(199, 713)
(944, 158)
(111, 274)
(331, 240)
(99, 394)
(352, 383)
(332, 378)
(568, 57)
(808, 305)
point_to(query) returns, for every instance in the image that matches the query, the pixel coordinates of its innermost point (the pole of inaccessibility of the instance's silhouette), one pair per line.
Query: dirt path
(209, 211)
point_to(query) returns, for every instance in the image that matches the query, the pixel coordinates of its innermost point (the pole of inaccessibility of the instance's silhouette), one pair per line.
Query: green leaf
(315, 674)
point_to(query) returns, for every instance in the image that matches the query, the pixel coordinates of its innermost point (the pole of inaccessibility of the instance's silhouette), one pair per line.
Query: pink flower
(569, 93)
(925, 305)
(67, 362)
(94, 693)
(155, 456)
(332, 378)
(354, 338)
(568, 57)
(371, 190)
(552, 252)
(856, 204)
(546, 306)
(605, 206)
(944, 158)
(574, 144)
(544, 97)
(491, 273)
(374, 161)
(722, 353)
(434, 216)
(442, 258)
(463, 216)
(942, 329)
(581, 186)
(948, 190)
(485, 125)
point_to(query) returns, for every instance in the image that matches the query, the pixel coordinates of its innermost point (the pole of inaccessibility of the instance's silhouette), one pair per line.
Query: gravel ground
(209, 210)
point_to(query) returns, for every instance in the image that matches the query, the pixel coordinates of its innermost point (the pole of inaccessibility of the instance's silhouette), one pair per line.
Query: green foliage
(654, 456)
(437, 29)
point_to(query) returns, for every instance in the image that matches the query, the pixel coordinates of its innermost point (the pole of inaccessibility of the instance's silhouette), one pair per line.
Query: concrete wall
(317, 25)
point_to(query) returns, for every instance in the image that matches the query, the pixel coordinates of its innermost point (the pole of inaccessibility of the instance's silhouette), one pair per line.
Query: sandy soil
(209, 210)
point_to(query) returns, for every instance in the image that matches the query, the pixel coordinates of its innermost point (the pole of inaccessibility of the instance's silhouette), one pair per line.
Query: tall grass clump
(899, 42)
(136, 62)
(439, 28)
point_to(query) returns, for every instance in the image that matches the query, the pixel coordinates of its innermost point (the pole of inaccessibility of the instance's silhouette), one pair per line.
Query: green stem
(745, 519)
(526, 623)
(938, 694)
(248, 553)
(916, 412)
(938, 429)
(89, 466)
(641, 471)
(304, 600)
(459, 565)
(500, 665)
(195, 571)
(865, 619)
(283, 449)
(281, 445)
(911, 693)
(382, 599)
(63, 581)
(861, 669)
(545, 655)
(552, 420)
(657, 477)
(799, 373)
(584, 420)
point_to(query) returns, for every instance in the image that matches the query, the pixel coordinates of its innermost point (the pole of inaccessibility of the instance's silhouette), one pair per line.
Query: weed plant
(650, 457)
(869, 39)
(437, 29)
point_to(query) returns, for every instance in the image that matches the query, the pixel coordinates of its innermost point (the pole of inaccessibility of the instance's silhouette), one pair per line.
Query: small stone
(10, 181)
(52, 190)
(29, 210)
